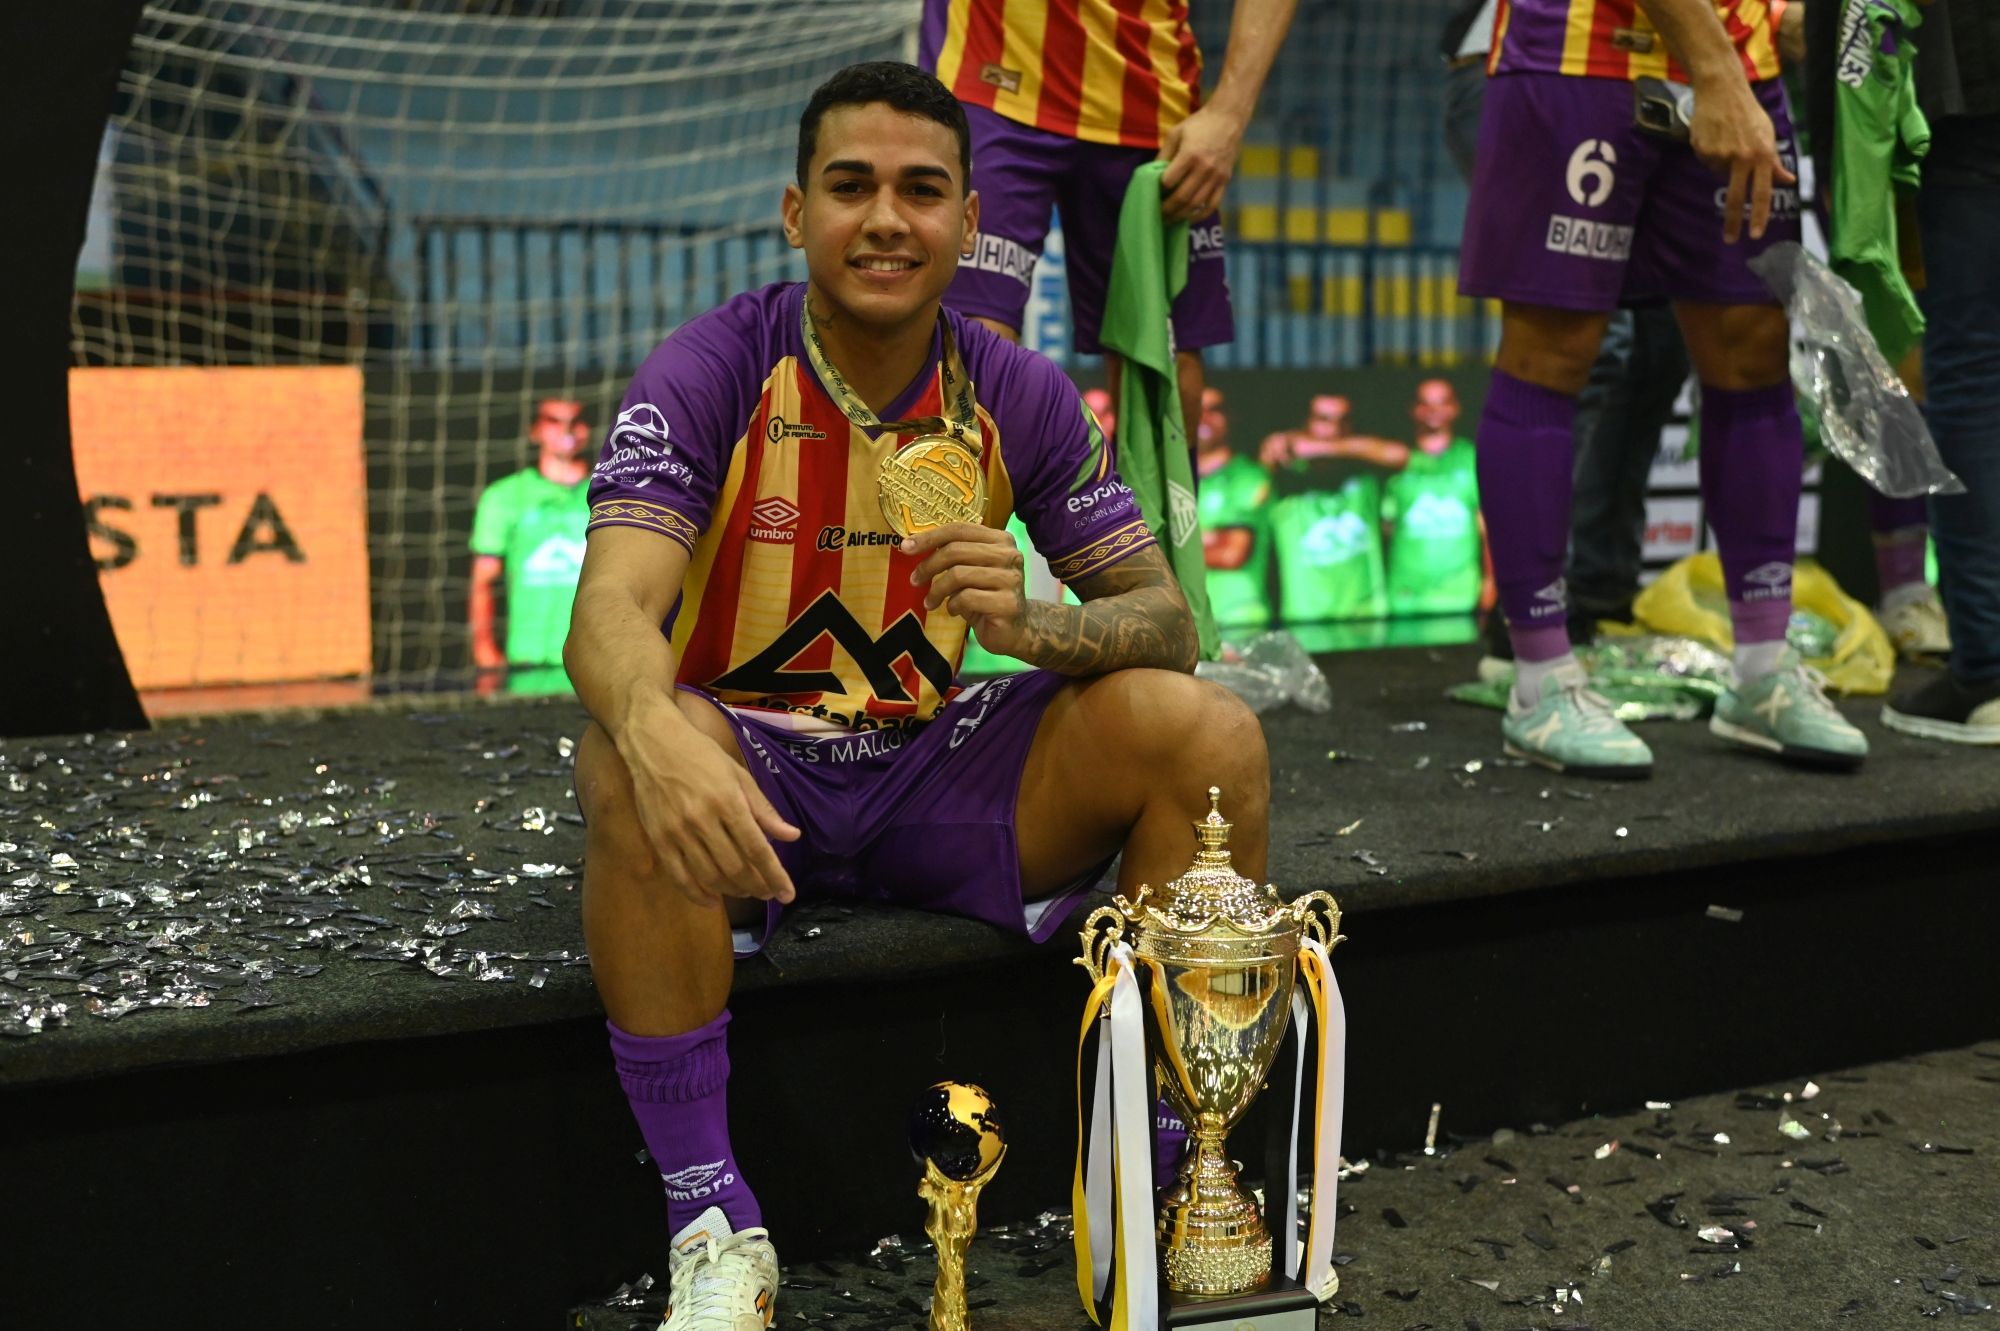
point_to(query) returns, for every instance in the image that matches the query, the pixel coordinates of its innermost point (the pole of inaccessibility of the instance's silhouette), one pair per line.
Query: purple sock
(1525, 447)
(1751, 459)
(1901, 528)
(1169, 1144)
(678, 1087)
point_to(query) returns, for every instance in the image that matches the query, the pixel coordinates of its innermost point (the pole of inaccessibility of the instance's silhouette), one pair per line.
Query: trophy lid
(1211, 889)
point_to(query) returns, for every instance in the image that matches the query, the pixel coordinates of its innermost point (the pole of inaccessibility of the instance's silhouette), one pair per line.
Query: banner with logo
(228, 514)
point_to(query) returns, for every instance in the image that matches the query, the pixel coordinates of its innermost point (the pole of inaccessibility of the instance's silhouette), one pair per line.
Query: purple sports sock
(1751, 459)
(1169, 1144)
(1526, 440)
(678, 1087)
(1901, 528)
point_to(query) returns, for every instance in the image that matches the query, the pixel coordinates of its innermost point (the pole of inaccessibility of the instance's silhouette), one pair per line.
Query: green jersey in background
(1237, 495)
(1329, 548)
(535, 527)
(1432, 509)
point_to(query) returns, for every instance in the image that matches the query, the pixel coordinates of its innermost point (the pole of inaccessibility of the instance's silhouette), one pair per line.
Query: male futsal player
(769, 668)
(1066, 100)
(1574, 208)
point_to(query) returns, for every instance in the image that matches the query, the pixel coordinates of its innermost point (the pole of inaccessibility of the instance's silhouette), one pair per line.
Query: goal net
(477, 204)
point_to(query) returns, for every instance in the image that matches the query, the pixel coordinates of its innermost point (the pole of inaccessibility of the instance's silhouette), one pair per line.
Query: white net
(480, 203)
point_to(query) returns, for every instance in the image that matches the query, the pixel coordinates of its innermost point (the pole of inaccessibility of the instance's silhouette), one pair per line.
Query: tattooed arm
(1133, 613)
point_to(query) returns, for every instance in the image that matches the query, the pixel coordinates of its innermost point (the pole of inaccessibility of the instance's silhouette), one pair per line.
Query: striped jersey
(1104, 71)
(797, 598)
(1614, 39)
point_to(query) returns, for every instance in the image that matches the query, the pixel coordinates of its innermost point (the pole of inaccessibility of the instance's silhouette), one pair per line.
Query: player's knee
(1203, 730)
(612, 833)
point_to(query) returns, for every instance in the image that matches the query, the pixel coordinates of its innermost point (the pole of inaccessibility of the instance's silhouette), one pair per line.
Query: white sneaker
(721, 1280)
(1916, 624)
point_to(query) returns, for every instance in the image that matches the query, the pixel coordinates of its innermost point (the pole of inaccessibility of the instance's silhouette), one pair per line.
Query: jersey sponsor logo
(984, 696)
(1437, 517)
(1103, 493)
(1592, 172)
(842, 538)
(772, 520)
(768, 672)
(849, 748)
(1855, 60)
(997, 254)
(1768, 582)
(556, 562)
(999, 76)
(780, 428)
(1334, 539)
(1205, 242)
(1589, 240)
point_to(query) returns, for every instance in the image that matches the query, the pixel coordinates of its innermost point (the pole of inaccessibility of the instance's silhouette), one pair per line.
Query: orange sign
(228, 513)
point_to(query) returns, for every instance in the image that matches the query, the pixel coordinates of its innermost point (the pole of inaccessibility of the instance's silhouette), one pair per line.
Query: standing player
(530, 527)
(1437, 547)
(769, 667)
(1066, 98)
(1234, 504)
(1572, 209)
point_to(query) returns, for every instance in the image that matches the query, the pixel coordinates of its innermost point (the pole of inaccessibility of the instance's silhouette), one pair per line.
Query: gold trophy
(954, 1131)
(1221, 954)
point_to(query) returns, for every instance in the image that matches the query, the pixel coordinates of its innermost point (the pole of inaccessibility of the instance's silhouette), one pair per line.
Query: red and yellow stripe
(1615, 39)
(1104, 71)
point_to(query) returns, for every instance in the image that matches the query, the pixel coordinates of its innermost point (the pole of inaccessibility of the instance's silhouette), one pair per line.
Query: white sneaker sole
(1952, 732)
(1610, 772)
(1752, 739)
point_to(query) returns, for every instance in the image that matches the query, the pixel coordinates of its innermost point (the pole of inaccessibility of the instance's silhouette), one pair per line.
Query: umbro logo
(695, 1176)
(772, 520)
(1768, 582)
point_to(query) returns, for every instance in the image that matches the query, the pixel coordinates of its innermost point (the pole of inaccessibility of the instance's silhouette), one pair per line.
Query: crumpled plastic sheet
(1867, 417)
(1270, 670)
(1652, 678)
(105, 914)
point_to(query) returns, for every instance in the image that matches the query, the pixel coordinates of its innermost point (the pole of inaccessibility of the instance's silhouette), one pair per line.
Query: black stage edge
(398, 1149)
(62, 669)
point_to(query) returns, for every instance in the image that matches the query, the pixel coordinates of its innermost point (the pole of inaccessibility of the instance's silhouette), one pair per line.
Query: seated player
(770, 668)
(1573, 208)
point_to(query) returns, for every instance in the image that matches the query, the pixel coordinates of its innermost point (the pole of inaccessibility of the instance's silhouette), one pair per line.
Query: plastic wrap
(1268, 671)
(1644, 679)
(1866, 416)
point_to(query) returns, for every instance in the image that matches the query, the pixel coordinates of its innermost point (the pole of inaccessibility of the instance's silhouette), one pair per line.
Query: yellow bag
(1689, 601)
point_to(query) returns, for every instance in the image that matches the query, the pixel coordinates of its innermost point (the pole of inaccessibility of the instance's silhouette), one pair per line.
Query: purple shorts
(1573, 207)
(1021, 173)
(920, 818)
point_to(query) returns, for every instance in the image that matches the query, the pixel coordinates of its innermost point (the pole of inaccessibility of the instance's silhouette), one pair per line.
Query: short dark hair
(901, 87)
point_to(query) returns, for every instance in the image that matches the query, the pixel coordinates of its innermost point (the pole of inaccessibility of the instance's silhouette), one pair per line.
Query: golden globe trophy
(1216, 957)
(954, 1131)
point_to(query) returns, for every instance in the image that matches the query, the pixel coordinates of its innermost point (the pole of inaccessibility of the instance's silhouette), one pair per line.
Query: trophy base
(1282, 1305)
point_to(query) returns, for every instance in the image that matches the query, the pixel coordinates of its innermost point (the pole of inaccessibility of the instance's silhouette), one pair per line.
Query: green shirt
(1329, 546)
(535, 528)
(1432, 508)
(1879, 136)
(1237, 495)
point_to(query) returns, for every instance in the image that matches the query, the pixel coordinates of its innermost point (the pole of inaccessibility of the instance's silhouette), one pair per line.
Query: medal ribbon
(1112, 1197)
(961, 427)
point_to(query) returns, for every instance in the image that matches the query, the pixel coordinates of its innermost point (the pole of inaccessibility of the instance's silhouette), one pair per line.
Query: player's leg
(663, 968)
(1752, 456)
(1559, 180)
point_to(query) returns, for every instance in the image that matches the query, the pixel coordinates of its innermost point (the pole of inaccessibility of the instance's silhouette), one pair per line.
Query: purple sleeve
(664, 459)
(1082, 517)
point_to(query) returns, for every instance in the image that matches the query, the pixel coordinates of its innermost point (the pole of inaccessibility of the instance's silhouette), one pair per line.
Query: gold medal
(939, 476)
(932, 480)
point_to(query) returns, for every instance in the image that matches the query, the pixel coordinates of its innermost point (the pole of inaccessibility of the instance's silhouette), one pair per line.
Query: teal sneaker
(1788, 713)
(1574, 730)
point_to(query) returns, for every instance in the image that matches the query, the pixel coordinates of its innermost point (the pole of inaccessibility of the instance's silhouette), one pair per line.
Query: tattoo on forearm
(1133, 615)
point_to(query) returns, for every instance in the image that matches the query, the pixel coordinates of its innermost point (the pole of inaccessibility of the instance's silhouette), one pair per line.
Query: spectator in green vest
(529, 526)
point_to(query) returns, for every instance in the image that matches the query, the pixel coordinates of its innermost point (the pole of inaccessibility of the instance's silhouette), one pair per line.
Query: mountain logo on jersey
(769, 673)
(1437, 517)
(1333, 539)
(556, 562)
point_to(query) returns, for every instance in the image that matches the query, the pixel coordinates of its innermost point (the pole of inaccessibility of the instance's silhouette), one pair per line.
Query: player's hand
(1792, 33)
(977, 573)
(708, 824)
(1732, 134)
(1200, 154)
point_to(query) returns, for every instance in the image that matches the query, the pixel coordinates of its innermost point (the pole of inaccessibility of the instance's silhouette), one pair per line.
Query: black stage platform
(426, 1132)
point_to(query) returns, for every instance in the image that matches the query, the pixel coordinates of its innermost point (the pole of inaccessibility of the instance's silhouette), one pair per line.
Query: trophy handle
(1318, 915)
(1103, 929)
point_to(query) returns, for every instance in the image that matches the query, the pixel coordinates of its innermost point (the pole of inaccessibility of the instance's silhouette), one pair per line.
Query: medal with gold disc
(936, 478)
